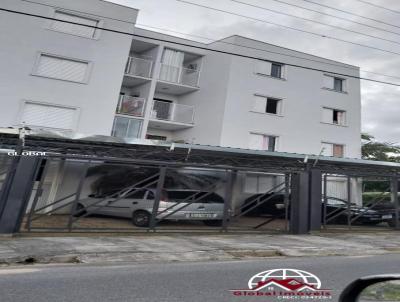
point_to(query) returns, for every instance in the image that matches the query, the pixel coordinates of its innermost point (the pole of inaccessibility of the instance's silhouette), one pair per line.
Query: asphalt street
(173, 282)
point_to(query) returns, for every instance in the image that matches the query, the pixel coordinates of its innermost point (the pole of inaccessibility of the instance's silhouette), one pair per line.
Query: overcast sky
(381, 103)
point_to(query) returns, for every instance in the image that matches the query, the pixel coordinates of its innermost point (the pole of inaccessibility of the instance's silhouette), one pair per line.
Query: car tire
(80, 210)
(213, 223)
(392, 222)
(141, 219)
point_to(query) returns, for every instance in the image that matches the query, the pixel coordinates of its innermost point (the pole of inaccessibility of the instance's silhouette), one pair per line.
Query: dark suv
(336, 209)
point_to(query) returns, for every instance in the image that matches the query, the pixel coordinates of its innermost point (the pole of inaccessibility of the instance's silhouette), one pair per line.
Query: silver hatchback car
(137, 204)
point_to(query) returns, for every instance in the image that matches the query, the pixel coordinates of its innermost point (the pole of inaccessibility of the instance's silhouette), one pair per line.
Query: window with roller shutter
(331, 149)
(60, 68)
(39, 115)
(274, 70)
(75, 29)
(333, 116)
(262, 142)
(334, 83)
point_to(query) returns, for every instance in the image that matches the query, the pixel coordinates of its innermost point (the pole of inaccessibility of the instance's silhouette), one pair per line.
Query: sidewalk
(165, 248)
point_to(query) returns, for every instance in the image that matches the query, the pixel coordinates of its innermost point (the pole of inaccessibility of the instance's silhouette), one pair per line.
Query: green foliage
(368, 197)
(380, 151)
(373, 150)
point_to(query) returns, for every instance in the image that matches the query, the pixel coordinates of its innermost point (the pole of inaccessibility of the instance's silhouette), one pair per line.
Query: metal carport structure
(304, 174)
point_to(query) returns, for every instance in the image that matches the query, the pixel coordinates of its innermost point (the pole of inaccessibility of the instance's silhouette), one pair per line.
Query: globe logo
(283, 274)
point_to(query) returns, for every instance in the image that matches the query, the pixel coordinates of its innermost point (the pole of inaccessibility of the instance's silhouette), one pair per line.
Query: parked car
(335, 207)
(137, 204)
(388, 208)
(365, 215)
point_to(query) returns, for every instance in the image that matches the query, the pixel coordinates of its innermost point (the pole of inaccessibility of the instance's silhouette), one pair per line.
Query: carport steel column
(157, 198)
(394, 189)
(18, 194)
(231, 176)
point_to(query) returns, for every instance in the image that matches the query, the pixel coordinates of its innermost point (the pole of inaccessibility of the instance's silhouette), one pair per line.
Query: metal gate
(87, 195)
(348, 207)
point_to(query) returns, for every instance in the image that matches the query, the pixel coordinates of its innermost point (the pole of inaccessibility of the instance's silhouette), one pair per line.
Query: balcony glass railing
(130, 105)
(179, 75)
(173, 112)
(139, 67)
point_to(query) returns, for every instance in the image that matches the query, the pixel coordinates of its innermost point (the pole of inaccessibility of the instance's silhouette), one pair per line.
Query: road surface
(173, 282)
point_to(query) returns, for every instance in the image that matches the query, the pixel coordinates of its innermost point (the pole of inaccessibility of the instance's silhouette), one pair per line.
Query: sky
(380, 103)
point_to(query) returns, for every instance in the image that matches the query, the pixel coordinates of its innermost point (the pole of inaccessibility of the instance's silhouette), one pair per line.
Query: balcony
(137, 71)
(171, 116)
(129, 105)
(178, 80)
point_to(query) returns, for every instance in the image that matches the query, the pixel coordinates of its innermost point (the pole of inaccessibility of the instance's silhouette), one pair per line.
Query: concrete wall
(299, 127)
(95, 100)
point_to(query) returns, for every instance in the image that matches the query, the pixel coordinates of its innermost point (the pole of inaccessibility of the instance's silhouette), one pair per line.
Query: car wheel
(392, 222)
(214, 223)
(80, 210)
(141, 219)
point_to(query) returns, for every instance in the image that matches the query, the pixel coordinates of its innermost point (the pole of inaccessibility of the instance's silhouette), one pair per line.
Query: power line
(77, 11)
(342, 18)
(350, 13)
(291, 28)
(260, 49)
(379, 6)
(314, 21)
(192, 46)
(213, 40)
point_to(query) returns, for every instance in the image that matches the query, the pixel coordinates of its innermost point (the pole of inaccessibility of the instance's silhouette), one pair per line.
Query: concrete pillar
(356, 190)
(394, 189)
(315, 200)
(16, 199)
(299, 211)
(230, 180)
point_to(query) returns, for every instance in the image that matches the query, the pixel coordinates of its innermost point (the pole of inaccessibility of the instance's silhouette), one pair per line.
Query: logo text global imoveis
(284, 284)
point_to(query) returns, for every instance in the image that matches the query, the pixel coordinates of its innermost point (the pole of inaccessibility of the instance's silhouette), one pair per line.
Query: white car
(137, 204)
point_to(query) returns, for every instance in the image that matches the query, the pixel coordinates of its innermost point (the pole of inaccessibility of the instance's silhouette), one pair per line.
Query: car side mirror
(373, 289)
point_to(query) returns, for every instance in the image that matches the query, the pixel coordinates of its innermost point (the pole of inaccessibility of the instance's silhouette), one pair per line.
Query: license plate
(201, 215)
(387, 216)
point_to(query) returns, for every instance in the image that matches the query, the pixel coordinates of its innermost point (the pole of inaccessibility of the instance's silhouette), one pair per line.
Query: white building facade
(78, 79)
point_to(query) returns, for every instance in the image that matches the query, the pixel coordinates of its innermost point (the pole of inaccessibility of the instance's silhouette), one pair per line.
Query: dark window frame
(276, 70)
(275, 104)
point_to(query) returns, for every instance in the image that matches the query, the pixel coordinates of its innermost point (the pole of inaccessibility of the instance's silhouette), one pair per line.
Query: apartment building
(80, 80)
(207, 97)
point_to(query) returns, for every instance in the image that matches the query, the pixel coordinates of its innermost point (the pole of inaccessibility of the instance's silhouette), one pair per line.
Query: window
(262, 142)
(274, 70)
(48, 116)
(338, 84)
(334, 116)
(162, 109)
(74, 29)
(126, 127)
(264, 104)
(258, 183)
(136, 194)
(335, 150)
(61, 68)
(334, 83)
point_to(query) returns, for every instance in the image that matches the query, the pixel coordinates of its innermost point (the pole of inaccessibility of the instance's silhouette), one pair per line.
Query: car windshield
(336, 202)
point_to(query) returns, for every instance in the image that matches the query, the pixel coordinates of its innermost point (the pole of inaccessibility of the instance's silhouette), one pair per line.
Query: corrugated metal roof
(119, 148)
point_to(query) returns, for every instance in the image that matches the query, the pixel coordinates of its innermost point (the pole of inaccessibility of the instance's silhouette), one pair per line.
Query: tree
(381, 151)
(373, 150)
